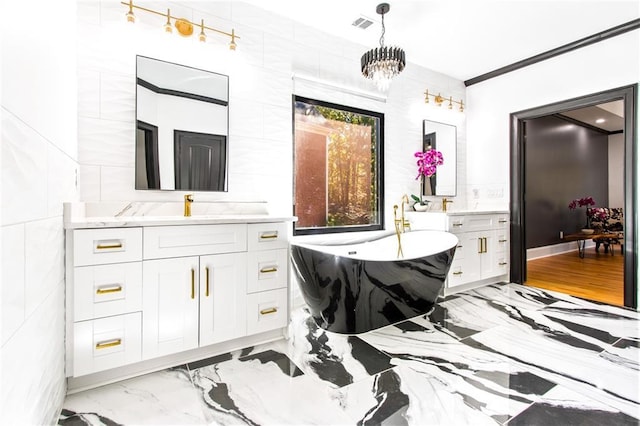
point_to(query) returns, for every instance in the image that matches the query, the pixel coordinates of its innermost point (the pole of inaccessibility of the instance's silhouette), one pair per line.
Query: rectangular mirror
(182, 122)
(442, 137)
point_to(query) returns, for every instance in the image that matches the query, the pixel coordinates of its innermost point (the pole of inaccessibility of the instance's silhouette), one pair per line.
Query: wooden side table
(581, 238)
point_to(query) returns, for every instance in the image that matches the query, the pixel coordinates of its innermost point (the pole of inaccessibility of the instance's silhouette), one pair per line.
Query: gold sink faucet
(188, 199)
(444, 204)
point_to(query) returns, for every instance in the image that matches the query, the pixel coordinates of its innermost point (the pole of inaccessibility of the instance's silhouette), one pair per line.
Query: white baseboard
(90, 381)
(546, 251)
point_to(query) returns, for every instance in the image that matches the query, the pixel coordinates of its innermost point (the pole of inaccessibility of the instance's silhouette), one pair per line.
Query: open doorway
(527, 209)
(574, 164)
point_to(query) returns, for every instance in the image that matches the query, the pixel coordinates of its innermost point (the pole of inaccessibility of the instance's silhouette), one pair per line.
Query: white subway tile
(89, 93)
(32, 364)
(44, 260)
(246, 119)
(117, 96)
(61, 180)
(89, 183)
(24, 172)
(106, 142)
(12, 280)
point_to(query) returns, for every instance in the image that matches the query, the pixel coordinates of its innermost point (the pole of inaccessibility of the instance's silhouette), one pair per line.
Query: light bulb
(130, 16)
(232, 45)
(167, 26)
(202, 37)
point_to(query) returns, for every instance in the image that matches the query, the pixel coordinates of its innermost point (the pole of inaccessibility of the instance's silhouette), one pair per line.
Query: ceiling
(611, 112)
(462, 38)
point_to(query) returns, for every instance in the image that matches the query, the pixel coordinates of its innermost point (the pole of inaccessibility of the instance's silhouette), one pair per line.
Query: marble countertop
(139, 213)
(461, 212)
(135, 221)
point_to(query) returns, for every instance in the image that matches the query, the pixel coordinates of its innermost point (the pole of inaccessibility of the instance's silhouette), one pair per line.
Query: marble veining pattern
(500, 355)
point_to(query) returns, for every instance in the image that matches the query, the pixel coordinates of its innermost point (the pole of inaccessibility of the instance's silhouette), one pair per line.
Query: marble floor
(499, 355)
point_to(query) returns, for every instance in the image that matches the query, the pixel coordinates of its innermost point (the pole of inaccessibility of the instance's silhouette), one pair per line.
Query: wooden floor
(598, 276)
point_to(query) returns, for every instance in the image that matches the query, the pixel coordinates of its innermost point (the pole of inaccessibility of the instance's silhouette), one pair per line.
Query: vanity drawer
(268, 236)
(503, 264)
(267, 270)
(266, 311)
(109, 245)
(193, 240)
(502, 221)
(502, 241)
(107, 290)
(461, 273)
(106, 343)
(457, 224)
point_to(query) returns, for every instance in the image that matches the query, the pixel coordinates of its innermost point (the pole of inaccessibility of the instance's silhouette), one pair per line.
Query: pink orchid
(428, 161)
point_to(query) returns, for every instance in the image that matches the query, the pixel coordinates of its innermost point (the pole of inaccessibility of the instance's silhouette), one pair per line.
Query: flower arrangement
(583, 202)
(427, 162)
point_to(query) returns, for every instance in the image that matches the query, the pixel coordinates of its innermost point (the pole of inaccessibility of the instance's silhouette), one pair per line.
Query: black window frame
(379, 169)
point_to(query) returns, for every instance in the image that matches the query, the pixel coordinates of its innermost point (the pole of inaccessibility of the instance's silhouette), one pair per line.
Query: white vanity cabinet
(141, 293)
(104, 302)
(482, 254)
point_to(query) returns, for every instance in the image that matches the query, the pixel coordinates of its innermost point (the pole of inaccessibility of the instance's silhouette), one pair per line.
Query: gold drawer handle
(193, 283)
(268, 270)
(107, 290)
(108, 246)
(206, 287)
(268, 311)
(269, 236)
(502, 241)
(457, 273)
(109, 344)
(502, 263)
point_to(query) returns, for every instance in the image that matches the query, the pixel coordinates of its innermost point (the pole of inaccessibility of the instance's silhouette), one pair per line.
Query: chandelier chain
(383, 31)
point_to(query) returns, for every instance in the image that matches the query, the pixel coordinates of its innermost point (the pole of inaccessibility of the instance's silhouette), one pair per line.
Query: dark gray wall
(563, 161)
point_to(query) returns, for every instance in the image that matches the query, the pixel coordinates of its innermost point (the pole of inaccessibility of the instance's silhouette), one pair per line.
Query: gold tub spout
(404, 224)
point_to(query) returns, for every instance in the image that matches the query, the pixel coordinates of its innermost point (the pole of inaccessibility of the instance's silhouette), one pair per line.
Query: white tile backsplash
(61, 180)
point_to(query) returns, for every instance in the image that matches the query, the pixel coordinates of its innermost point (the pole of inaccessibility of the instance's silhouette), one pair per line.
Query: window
(338, 185)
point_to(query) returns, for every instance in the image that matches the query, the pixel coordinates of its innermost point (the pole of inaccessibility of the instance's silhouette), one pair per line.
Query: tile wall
(271, 50)
(39, 163)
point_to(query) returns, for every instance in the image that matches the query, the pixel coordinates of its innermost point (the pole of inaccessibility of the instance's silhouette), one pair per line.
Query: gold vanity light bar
(184, 26)
(439, 100)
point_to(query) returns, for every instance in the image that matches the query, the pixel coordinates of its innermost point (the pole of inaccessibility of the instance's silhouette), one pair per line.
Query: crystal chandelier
(382, 63)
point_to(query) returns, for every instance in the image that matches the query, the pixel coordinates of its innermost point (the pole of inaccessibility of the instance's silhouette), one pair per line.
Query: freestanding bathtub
(360, 286)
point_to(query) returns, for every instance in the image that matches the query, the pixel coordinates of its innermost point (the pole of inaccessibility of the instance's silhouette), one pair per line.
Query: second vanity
(147, 292)
(482, 254)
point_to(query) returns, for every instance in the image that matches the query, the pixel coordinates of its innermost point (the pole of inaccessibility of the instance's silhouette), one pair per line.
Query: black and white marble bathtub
(364, 285)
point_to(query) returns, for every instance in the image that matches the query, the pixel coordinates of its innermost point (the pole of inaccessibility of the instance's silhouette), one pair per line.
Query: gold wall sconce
(183, 26)
(439, 100)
